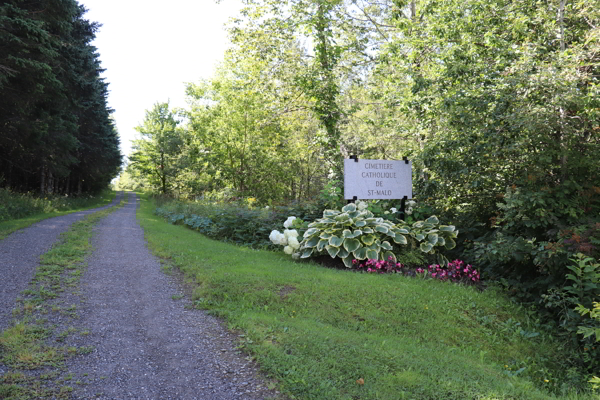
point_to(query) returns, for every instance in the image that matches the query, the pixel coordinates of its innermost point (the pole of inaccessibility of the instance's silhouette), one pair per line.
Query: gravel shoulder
(145, 341)
(20, 255)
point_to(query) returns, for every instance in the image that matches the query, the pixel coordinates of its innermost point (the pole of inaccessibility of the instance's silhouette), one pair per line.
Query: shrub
(355, 233)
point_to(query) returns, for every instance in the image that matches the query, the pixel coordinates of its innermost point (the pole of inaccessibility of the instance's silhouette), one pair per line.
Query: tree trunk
(42, 181)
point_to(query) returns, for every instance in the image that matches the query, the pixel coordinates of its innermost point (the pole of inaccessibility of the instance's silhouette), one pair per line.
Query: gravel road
(146, 343)
(20, 255)
(134, 330)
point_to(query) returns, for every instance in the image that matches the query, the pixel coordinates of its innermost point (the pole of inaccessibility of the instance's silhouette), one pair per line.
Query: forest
(56, 131)
(495, 102)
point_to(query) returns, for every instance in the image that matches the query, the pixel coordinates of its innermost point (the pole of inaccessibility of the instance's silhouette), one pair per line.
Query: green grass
(32, 210)
(319, 331)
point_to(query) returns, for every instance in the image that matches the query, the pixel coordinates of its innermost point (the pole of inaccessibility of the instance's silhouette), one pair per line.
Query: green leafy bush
(234, 222)
(355, 233)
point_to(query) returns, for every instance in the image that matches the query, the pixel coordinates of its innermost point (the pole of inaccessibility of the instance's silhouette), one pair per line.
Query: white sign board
(377, 179)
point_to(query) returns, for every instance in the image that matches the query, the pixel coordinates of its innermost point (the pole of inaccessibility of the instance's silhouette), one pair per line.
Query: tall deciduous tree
(155, 154)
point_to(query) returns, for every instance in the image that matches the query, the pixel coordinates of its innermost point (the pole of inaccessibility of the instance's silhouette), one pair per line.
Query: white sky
(149, 48)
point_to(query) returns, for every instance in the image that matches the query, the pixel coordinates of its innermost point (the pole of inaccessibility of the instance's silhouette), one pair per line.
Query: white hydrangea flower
(411, 203)
(274, 236)
(288, 250)
(278, 237)
(293, 243)
(361, 205)
(289, 233)
(409, 211)
(394, 210)
(288, 222)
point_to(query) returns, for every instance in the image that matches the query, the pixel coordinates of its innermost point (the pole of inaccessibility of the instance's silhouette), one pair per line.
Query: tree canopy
(56, 134)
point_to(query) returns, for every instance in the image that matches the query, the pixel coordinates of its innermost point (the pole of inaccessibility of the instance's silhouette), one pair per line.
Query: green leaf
(400, 239)
(381, 229)
(426, 247)
(330, 213)
(309, 232)
(349, 207)
(372, 254)
(386, 245)
(367, 230)
(307, 253)
(332, 250)
(419, 237)
(432, 220)
(450, 244)
(346, 233)
(343, 253)
(368, 239)
(447, 228)
(388, 254)
(360, 253)
(321, 245)
(312, 242)
(351, 244)
(325, 235)
(432, 238)
(335, 241)
(348, 262)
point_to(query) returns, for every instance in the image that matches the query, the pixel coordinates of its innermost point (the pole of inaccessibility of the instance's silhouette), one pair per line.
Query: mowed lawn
(322, 333)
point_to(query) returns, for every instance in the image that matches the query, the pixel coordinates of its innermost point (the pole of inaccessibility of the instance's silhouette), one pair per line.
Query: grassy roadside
(35, 364)
(330, 334)
(66, 206)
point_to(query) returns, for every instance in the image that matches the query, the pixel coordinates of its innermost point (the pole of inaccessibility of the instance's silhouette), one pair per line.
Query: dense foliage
(497, 103)
(56, 134)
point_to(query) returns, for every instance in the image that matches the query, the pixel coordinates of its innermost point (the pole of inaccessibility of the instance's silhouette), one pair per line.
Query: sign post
(377, 179)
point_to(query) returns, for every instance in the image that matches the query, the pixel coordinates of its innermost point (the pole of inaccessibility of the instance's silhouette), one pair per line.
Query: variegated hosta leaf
(322, 243)
(349, 207)
(330, 213)
(426, 247)
(343, 253)
(381, 228)
(433, 220)
(368, 239)
(441, 241)
(400, 239)
(342, 217)
(367, 230)
(360, 253)
(402, 231)
(432, 238)
(354, 214)
(312, 242)
(325, 235)
(309, 232)
(447, 228)
(418, 224)
(388, 254)
(360, 224)
(351, 244)
(335, 241)
(419, 237)
(386, 245)
(348, 262)
(307, 253)
(332, 250)
(450, 244)
(346, 233)
(372, 254)
(427, 226)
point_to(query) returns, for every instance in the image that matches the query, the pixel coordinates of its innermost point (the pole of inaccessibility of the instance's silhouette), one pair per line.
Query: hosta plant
(354, 233)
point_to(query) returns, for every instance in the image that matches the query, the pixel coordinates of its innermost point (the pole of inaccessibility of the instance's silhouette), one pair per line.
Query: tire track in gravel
(146, 344)
(20, 255)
